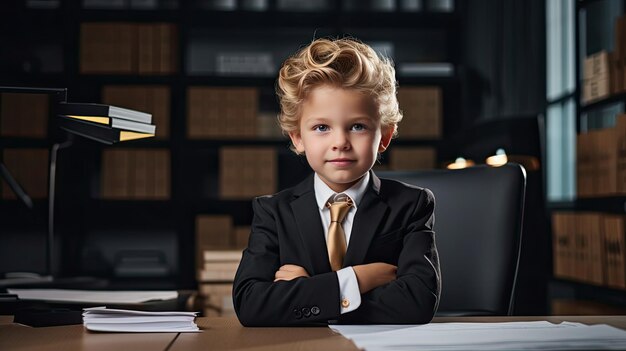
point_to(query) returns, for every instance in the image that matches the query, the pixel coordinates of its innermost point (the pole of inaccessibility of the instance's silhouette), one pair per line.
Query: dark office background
(495, 98)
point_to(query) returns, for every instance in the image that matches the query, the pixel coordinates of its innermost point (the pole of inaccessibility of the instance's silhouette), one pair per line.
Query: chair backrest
(478, 228)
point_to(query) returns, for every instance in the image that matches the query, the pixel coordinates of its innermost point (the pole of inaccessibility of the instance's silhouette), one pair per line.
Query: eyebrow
(350, 119)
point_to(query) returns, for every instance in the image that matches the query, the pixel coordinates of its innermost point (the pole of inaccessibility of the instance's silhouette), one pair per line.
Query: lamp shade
(104, 123)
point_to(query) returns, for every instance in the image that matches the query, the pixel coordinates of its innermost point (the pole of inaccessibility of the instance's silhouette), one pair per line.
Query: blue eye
(321, 128)
(358, 127)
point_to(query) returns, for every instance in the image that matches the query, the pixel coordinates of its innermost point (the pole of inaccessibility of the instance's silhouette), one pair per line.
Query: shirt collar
(323, 192)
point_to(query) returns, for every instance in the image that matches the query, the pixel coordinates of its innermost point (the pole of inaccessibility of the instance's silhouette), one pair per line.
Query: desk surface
(220, 334)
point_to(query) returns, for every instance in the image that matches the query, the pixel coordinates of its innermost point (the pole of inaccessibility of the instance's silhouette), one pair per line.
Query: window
(561, 99)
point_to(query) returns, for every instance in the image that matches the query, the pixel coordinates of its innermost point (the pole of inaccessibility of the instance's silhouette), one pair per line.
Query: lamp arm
(15, 186)
(51, 196)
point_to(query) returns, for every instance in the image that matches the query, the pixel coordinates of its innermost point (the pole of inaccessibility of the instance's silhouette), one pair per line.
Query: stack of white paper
(485, 336)
(102, 319)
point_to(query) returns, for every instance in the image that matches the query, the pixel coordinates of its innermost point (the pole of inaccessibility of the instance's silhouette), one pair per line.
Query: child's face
(340, 134)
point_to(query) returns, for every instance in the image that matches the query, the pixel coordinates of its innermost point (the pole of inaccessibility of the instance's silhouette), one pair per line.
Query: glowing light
(498, 159)
(460, 163)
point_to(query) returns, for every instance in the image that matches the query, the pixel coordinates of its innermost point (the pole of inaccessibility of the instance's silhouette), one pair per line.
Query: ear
(296, 140)
(385, 140)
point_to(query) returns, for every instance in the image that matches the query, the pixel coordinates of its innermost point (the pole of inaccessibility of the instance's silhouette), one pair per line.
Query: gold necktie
(339, 207)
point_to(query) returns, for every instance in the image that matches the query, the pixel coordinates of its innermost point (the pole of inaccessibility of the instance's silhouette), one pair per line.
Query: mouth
(341, 162)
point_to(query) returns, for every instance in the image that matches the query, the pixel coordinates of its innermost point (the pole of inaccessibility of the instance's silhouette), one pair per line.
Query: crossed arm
(369, 276)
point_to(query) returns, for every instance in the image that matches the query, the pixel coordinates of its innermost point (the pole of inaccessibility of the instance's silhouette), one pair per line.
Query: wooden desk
(228, 334)
(220, 334)
(75, 337)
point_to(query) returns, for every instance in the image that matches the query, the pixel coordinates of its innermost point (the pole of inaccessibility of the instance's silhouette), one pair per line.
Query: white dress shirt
(348, 284)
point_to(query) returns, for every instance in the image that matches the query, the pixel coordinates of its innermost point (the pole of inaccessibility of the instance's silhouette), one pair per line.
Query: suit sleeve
(259, 301)
(414, 296)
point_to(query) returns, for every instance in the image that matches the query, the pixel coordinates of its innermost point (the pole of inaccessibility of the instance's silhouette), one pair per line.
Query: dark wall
(504, 55)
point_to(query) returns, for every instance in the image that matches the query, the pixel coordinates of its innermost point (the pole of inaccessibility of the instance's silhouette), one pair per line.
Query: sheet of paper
(92, 296)
(485, 336)
(100, 311)
(142, 328)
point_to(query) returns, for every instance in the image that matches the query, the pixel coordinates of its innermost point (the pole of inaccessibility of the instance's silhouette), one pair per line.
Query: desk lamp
(103, 123)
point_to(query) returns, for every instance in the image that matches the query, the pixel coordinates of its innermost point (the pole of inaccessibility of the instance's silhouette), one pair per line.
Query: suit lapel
(309, 223)
(370, 213)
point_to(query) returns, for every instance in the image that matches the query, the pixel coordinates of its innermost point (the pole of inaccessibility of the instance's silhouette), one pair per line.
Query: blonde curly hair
(346, 63)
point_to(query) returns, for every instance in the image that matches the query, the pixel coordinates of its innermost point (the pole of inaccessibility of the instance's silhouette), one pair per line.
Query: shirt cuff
(348, 290)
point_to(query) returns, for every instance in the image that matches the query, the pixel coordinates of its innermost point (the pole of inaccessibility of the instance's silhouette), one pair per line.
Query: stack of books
(102, 319)
(222, 112)
(247, 171)
(215, 280)
(219, 265)
(597, 77)
(422, 110)
(105, 123)
(128, 48)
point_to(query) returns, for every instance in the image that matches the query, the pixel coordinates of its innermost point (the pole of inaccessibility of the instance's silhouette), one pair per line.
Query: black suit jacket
(393, 224)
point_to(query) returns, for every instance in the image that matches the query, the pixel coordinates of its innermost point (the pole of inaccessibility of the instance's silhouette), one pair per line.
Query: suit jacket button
(306, 312)
(297, 313)
(315, 310)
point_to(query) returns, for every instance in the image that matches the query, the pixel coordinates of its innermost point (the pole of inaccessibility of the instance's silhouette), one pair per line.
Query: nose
(341, 141)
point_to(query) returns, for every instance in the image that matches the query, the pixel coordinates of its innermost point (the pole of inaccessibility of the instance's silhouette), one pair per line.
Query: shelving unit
(425, 36)
(594, 31)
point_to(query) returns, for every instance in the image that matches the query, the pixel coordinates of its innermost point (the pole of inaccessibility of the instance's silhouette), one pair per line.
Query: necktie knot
(339, 206)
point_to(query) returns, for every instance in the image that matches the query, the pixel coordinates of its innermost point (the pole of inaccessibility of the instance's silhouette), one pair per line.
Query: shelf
(415, 142)
(130, 15)
(96, 79)
(36, 18)
(212, 143)
(572, 289)
(271, 18)
(143, 283)
(571, 307)
(269, 81)
(138, 214)
(17, 216)
(610, 204)
(11, 142)
(149, 143)
(114, 203)
(319, 19)
(413, 20)
(264, 20)
(621, 97)
(38, 79)
(221, 80)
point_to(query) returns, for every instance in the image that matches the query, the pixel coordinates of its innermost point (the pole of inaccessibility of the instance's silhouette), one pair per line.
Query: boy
(343, 245)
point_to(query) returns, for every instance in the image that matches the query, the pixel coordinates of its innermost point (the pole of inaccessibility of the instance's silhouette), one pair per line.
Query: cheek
(373, 142)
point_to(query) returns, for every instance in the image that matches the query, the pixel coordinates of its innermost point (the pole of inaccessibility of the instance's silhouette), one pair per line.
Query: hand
(289, 272)
(373, 275)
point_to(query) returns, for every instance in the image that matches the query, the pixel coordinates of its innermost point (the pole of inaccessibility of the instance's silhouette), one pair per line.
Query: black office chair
(478, 229)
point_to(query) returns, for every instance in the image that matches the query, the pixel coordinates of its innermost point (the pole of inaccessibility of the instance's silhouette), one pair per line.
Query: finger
(281, 274)
(287, 278)
(284, 275)
(281, 278)
(290, 267)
